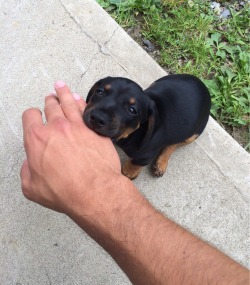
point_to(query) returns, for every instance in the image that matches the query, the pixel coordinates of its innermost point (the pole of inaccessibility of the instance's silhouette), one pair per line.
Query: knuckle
(70, 106)
(26, 191)
(61, 124)
(51, 103)
(35, 133)
(28, 110)
(48, 107)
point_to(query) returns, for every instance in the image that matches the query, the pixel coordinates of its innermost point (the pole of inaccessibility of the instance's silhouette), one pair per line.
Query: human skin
(72, 170)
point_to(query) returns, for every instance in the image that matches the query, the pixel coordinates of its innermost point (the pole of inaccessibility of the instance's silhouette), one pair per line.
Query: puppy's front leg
(131, 170)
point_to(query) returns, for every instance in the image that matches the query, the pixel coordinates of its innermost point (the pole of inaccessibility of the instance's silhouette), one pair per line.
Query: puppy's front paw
(131, 170)
(159, 169)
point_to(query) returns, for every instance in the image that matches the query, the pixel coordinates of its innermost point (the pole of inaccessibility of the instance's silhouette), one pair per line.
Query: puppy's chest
(136, 147)
(131, 145)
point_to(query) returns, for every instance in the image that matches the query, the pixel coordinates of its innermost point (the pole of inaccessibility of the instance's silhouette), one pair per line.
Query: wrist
(100, 207)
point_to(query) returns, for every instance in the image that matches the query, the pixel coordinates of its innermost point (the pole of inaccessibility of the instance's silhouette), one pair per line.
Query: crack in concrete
(102, 47)
(74, 19)
(113, 57)
(111, 35)
(13, 165)
(87, 69)
(47, 274)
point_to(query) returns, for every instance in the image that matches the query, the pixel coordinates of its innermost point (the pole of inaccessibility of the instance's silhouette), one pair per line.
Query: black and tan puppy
(148, 125)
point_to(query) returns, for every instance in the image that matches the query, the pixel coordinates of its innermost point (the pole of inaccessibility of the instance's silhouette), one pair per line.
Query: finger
(68, 104)
(80, 102)
(25, 178)
(31, 117)
(52, 108)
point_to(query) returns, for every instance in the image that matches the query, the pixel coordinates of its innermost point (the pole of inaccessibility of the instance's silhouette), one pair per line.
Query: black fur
(172, 110)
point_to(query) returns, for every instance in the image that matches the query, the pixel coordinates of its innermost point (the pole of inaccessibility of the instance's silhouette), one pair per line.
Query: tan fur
(131, 170)
(127, 132)
(162, 161)
(132, 101)
(107, 87)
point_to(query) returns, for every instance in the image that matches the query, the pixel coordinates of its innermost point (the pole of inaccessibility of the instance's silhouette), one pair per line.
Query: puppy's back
(183, 103)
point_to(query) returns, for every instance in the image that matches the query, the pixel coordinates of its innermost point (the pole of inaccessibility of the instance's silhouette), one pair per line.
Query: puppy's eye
(100, 92)
(132, 110)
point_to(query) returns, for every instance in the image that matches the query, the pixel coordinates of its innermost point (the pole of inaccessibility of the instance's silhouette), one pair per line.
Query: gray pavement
(206, 187)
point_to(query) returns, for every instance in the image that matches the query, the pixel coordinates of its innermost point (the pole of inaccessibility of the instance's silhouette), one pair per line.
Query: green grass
(192, 39)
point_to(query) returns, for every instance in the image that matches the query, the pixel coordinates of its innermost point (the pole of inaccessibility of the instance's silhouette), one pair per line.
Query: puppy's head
(116, 107)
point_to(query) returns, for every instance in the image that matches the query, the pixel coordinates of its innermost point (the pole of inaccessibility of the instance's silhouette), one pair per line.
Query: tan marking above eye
(132, 100)
(107, 87)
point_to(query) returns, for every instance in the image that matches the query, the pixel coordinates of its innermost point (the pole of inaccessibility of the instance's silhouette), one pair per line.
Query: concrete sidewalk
(206, 188)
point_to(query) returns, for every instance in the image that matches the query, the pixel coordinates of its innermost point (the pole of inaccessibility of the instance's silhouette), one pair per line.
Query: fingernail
(76, 96)
(59, 84)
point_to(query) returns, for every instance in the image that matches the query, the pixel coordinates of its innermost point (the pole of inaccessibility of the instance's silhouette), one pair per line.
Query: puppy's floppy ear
(94, 87)
(92, 90)
(150, 123)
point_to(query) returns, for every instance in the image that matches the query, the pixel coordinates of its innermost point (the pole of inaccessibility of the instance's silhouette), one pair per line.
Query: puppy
(148, 125)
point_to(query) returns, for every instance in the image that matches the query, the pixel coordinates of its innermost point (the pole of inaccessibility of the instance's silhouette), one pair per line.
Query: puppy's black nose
(97, 119)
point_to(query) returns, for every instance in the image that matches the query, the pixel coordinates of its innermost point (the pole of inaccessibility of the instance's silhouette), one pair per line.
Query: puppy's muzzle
(98, 119)
(101, 122)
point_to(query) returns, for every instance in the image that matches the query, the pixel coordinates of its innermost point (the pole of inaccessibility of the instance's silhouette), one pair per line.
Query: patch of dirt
(150, 47)
(241, 135)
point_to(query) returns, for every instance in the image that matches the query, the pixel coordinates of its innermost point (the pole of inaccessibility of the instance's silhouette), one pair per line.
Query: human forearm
(150, 248)
(120, 226)
(72, 170)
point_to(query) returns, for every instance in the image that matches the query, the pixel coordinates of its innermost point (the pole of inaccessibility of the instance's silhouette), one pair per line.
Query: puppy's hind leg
(160, 166)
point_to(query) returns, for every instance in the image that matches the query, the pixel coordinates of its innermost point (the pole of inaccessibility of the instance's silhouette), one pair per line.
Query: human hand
(68, 166)
(71, 169)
